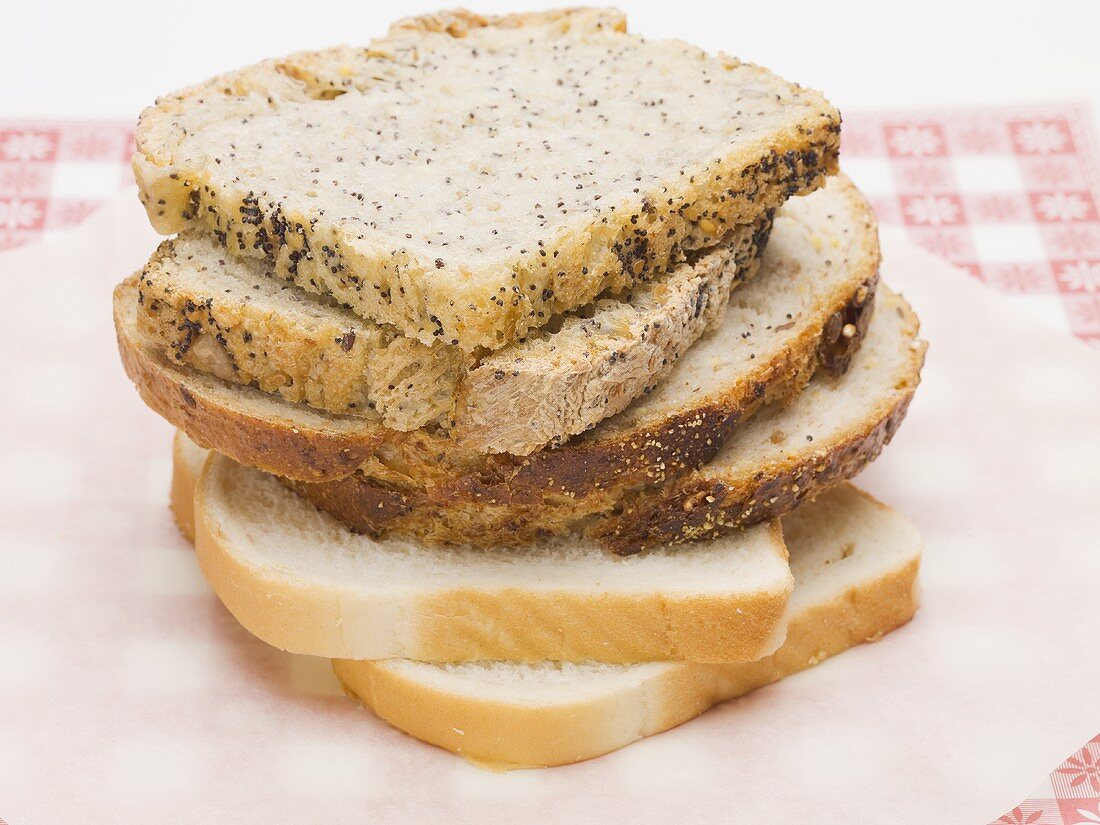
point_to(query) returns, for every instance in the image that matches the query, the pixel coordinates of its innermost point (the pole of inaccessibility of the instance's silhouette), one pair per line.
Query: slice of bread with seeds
(806, 308)
(301, 581)
(783, 455)
(467, 178)
(855, 564)
(233, 319)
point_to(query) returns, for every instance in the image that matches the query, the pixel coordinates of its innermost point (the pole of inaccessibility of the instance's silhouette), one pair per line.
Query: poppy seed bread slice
(301, 581)
(467, 178)
(233, 319)
(855, 564)
(804, 309)
(786, 453)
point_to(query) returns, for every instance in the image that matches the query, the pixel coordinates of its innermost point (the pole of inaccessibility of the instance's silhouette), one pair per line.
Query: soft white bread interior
(855, 565)
(187, 461)
(301, 581)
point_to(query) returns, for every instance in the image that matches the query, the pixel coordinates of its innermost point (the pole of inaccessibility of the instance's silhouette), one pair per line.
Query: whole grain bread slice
(234, 320)
(806, 308)
(789, 452)
(855, 563)
(467, 178)
(786, 454)
(301, 581)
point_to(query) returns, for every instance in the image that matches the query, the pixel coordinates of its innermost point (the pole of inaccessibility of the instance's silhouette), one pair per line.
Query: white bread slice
(301, 581)
(466, 178)
(234, 320)
(816, 282)
(187, 460)
(784, 454)
(855, 565)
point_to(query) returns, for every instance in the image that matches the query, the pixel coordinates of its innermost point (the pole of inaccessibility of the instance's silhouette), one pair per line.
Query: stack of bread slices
(520, 364)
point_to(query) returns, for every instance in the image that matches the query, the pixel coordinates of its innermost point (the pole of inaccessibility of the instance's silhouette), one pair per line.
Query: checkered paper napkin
(128, 694)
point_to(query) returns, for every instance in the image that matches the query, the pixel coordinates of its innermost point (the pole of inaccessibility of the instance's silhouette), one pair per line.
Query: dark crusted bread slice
(804, 309)
(233, 319)
(787, 453)
(466, 178)
(784, 454)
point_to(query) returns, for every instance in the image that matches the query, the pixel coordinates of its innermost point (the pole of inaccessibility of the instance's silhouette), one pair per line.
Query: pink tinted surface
(128, 694)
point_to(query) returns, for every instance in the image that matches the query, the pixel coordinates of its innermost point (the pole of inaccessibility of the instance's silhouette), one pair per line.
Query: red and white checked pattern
(52, 175)
(1008, 194)
(1069, 796)
(1011, 195)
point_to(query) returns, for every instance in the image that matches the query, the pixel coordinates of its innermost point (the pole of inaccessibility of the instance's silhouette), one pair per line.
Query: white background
(103, 59)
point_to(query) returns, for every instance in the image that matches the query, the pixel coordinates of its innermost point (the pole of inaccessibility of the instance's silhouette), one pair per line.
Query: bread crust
(621, 491)
(576, 725)
(181, 493)
(411, 292)
(708, 502)
(702, 507)
(302, 445)
(443, 623)
(516, 400)
(633, 449)
(459, 22)
(216, 415)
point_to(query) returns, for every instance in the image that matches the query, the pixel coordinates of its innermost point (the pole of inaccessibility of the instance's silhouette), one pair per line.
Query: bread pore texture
(301, 581)
(466, 178)
(855, 564)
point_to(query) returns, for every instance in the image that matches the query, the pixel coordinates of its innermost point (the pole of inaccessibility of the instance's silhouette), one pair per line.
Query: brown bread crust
(701, 508)
(643, 446)
(217, 415)
(555, 490)
(707, 503)
(260, 431)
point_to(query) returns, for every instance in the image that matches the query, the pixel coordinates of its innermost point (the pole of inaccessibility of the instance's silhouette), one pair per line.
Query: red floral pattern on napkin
(1008, 194)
